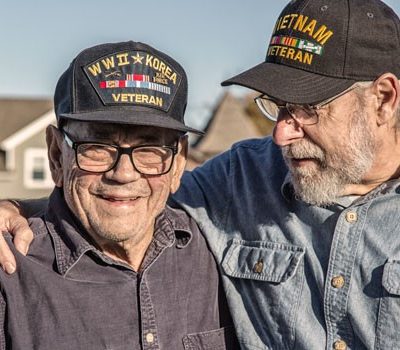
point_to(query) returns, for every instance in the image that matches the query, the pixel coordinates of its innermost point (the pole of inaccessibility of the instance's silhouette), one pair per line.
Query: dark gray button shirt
(67, 295)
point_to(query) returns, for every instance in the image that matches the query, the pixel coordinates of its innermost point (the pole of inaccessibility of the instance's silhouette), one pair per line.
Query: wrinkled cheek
(160, 189)
(76, 193)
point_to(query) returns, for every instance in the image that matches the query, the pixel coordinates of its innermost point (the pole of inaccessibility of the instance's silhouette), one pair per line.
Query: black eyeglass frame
(120, 151)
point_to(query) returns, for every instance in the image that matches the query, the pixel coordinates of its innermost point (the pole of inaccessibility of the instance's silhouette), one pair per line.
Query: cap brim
(290, 84)
(144, 118)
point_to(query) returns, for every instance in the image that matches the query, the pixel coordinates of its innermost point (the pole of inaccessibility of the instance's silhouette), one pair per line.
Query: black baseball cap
(319, 48)
(126, 83)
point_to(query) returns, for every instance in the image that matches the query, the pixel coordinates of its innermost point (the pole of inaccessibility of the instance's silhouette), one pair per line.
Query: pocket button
(258, 266)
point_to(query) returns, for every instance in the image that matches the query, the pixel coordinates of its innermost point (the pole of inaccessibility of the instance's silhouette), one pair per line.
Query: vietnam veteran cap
(127, 83)
(319, 48)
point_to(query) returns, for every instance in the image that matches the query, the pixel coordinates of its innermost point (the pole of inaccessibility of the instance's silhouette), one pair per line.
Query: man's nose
(287, 130)
(124, 171)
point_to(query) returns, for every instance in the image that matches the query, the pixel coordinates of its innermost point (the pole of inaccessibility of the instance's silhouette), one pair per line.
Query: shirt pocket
(217, 339)
(263, 261)
(269, 277)
(388, 336)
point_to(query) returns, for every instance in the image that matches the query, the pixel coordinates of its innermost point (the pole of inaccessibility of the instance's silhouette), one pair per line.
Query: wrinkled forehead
(110, 131)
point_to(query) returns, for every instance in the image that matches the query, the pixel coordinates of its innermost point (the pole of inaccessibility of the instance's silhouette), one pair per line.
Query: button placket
(345, 242)
(149, 328)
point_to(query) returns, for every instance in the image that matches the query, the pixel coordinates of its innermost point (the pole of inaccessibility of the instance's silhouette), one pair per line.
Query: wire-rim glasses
(304, 114)
(98, 157)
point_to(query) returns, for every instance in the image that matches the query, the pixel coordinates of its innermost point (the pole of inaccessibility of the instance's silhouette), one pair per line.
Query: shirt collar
(71, 240)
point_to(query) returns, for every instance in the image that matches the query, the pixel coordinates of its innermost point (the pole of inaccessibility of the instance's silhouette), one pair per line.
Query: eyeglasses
(303, 114)
(97, 157)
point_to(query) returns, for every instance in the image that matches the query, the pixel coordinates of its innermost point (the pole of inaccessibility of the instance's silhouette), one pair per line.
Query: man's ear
(54, 141)
(387, 90)
(179, 163)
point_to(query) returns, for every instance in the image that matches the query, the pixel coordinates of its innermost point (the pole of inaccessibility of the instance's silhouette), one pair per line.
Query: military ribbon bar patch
(134, 77)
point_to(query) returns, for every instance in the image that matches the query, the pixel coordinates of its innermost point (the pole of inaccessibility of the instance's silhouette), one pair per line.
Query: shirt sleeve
(2, 322)
(205, 193)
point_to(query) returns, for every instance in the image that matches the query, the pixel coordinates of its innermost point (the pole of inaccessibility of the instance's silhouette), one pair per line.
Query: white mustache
(304, 149)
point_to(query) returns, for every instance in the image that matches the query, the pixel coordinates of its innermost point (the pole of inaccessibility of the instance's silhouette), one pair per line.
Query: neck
(130, 252)
(386, 166)
(127, 252)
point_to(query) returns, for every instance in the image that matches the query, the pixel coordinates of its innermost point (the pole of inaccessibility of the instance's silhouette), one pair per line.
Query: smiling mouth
(118, 199)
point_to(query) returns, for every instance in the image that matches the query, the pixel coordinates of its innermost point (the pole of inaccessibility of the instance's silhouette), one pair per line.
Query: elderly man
(305, 224)
(110, 266)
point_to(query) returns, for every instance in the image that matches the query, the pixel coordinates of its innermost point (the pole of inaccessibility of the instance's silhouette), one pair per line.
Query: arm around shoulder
(12, 220)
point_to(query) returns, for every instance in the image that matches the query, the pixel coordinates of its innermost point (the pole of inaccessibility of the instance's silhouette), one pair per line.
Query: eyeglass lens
(150, 160)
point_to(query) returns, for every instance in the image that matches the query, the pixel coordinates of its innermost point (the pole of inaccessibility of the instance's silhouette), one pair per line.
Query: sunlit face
(338, 151)
(119, 205)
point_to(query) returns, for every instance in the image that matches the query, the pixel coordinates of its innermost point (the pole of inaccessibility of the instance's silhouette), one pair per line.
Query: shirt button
(340, 345)
(351, 216)
(149, 337)
(258, 266)
(337, 282)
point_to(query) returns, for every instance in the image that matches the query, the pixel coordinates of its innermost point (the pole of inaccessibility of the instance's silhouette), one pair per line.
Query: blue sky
(212, 39)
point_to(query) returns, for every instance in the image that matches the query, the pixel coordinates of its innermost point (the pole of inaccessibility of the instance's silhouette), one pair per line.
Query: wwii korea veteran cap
(319, 48)
(126, 83)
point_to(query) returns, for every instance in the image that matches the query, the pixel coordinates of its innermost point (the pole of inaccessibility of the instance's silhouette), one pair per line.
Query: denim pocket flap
(391, 277)
(261, 260)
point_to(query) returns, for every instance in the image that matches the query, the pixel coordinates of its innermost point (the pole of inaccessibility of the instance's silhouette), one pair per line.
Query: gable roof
(228, 123)
(16, 113)
(20, 119)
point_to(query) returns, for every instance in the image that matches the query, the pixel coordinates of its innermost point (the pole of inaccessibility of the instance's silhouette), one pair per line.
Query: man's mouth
(297, 162)
(118, 199)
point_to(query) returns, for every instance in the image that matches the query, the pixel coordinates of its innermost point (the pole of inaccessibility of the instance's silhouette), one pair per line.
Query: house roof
(15, 114)
(229, 123)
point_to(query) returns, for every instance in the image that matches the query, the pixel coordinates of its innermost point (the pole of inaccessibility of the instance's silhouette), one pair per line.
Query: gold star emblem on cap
(137, 58)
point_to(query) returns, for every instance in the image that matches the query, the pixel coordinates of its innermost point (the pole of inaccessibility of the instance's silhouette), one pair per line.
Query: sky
(212, 39)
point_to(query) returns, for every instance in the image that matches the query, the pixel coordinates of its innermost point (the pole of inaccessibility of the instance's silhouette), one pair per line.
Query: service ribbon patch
(134, 77)
(286, 42)
(297, 43)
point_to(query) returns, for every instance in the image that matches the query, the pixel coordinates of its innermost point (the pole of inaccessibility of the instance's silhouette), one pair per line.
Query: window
(36, 170)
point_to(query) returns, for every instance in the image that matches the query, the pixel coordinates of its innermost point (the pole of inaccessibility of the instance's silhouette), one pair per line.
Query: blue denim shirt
(298, 276)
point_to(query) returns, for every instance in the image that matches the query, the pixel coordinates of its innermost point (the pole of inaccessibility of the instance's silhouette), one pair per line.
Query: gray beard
(323, 184)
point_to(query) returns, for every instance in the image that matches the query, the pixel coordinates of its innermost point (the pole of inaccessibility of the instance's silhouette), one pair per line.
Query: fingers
(23, 235)
(7, 260)
(12, 222)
